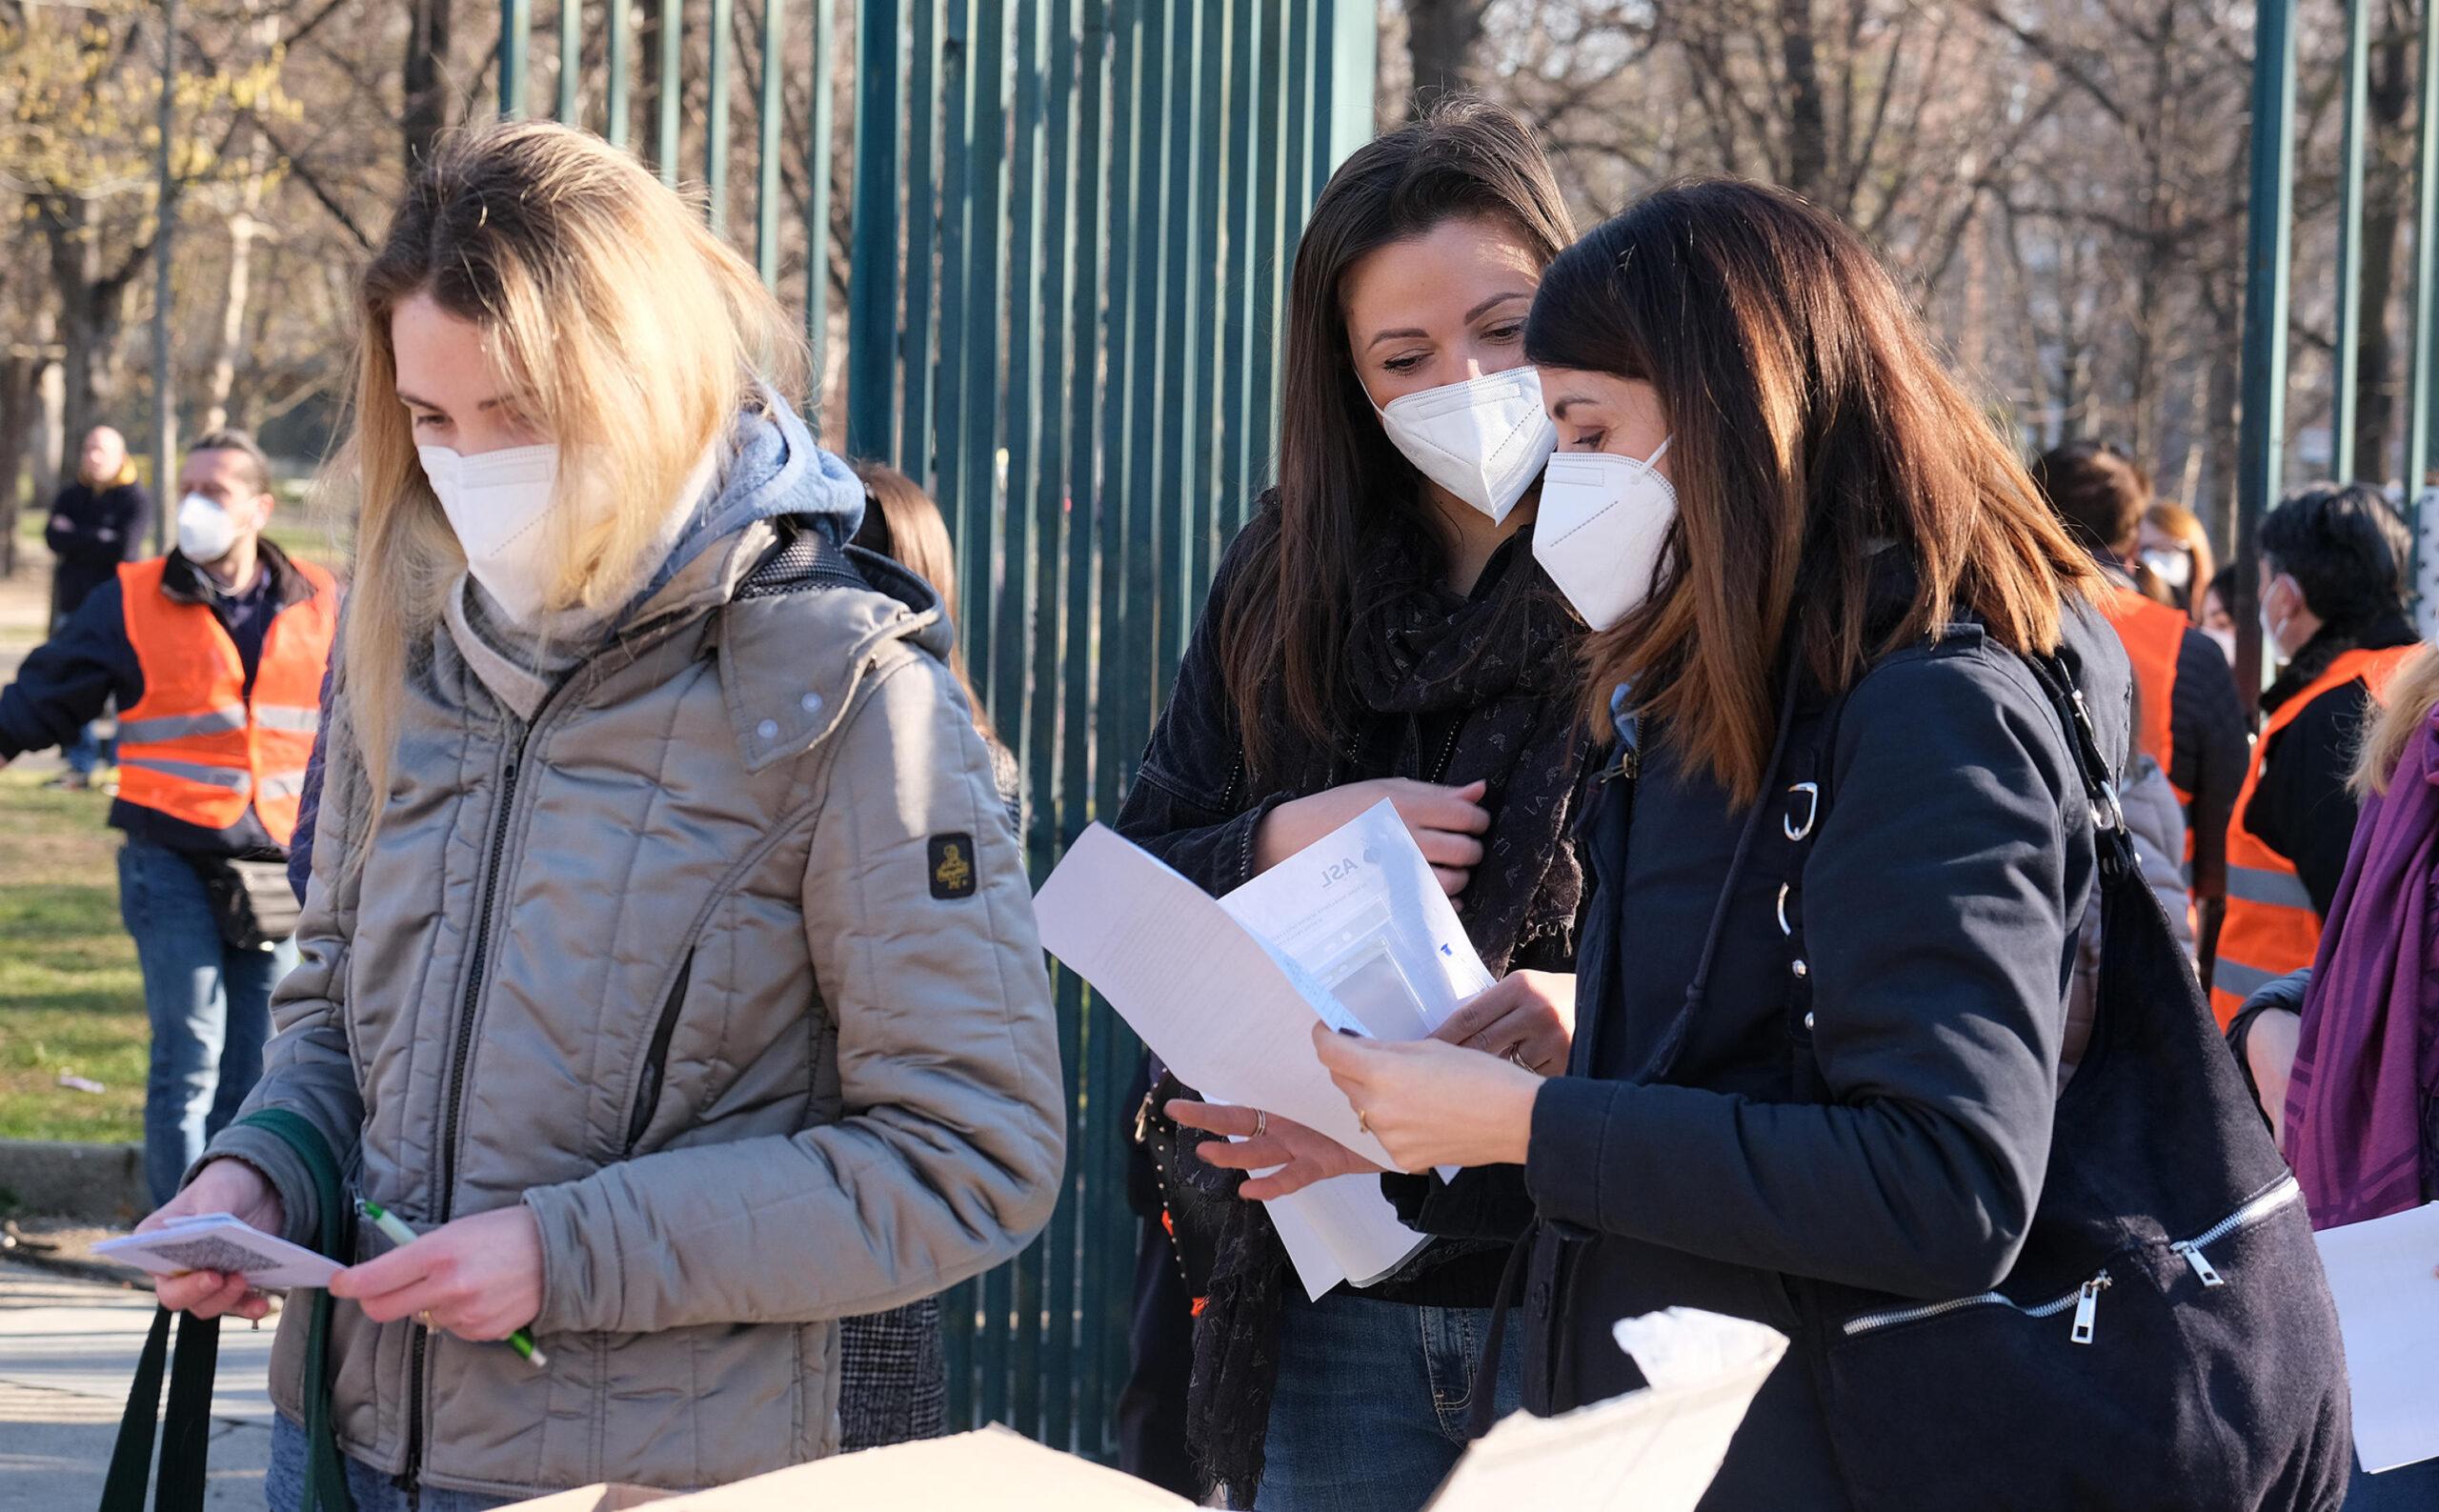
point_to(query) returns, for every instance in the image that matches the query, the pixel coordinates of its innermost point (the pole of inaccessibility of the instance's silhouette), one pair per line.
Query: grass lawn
(71, 1001)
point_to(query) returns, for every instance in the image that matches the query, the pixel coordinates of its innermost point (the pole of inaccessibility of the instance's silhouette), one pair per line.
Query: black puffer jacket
(1939, 904)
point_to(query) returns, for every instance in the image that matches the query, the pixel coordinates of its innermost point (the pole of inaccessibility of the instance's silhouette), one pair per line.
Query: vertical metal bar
(1182, 353)
(1236, 480)
(620, 107)
(1114, 629)
(671, 95)
(715, 115)
(515, 28)
(1273, 237)
(1207, 465)
(1077, 753)
(923, 211)
(165, 382)
(2344, 400)
(571, 60)
(1057, 1363)
(2425, 258)
(872, 275)
(1156, 111)
(2262, 435)
(1297, 151)
(766, 148)
(987, 246)
(816, 209)
(956, 209)
(1349, 76)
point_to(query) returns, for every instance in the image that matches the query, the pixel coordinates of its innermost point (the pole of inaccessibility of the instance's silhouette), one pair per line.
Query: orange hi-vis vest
(196, 747)
(2153, 634)
(2271, 928)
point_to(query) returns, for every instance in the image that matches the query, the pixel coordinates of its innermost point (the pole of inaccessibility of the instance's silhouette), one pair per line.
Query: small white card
(215, 1242)
(2380, 1273)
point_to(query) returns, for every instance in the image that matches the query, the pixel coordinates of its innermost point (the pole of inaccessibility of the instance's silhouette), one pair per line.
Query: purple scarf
(2370, 1049)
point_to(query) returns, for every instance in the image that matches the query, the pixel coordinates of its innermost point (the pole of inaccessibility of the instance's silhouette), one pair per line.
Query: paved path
(67, 1350)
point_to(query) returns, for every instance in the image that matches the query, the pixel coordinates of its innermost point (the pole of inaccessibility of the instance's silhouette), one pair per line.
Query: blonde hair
(2411, 695)
(631, 334)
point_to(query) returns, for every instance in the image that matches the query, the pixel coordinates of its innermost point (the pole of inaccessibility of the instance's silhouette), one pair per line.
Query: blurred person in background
(2177, 550)
(2213, 617)
(215, 655)
(2333, 605)
(97, 522)
(2192, 724)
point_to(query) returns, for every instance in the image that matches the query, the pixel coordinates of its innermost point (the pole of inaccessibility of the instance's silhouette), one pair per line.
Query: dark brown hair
(2099, 491)
(229, 439)
(1343, 486)
(1813, 429)
(902, 523)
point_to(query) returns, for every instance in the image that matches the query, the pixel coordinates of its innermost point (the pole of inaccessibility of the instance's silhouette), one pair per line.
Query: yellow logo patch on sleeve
(952, 863)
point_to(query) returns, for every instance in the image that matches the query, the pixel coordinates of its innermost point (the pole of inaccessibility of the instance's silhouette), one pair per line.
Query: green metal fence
(1070, 226)
(2270, 213)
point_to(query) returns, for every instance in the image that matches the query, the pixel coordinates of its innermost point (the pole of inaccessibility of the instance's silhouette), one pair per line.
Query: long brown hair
(1814, 428)
(1343, 486)
(904, 524)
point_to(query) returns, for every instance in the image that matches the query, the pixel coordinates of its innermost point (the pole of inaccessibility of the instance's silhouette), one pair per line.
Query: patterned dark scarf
(1454, 688)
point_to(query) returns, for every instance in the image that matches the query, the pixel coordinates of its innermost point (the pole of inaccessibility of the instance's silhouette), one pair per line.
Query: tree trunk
(93, 312)
(1808, 113)
(20, 398)
(1442, 37)
(427, 94)
(242, 230)
(2375, 382)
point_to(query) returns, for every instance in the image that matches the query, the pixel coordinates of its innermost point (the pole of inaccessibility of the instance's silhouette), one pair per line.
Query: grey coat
(725, 968)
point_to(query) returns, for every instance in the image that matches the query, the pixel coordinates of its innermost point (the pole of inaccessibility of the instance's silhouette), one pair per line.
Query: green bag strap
(326, 1473)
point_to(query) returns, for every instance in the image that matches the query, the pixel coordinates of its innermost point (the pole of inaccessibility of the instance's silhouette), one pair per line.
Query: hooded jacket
(724, 966)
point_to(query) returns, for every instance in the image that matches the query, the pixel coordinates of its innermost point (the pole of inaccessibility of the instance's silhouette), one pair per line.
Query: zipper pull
(2200, 1263)
(2087, 1306)
(1143, 1121)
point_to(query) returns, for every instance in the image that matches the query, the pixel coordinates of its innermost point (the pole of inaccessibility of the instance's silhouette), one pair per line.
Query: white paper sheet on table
(2387, 1309)
(1654, 1450)
(1226, 993)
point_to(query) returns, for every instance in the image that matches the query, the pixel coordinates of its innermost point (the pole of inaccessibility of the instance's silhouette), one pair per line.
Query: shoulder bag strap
(326, 1474)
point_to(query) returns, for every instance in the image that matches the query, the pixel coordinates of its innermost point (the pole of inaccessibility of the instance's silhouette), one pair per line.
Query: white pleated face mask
(497, 503)
(1603, 528)
(1483, 440)
(206, 533)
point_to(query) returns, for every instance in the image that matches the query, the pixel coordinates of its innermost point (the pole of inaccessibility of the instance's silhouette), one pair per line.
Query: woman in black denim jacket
(1379, 631)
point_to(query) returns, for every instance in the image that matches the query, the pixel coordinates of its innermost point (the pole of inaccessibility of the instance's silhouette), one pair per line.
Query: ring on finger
(1362, 1120)
(1262, 1122)
(424, 1317)
(1516, 1054)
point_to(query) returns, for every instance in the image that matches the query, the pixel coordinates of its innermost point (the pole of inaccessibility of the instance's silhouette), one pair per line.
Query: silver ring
(1516, 1054)
(1262, 1122)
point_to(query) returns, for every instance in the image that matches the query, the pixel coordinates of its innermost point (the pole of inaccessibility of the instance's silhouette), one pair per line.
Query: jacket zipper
(2285, 1194)
(2085, 1300)
(463, 1048)
(657, 1058)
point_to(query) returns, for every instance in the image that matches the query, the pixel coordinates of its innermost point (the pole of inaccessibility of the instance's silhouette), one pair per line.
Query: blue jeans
(210, 1004)
(88, 751)
(1372, 1402)
(2407, 1488)
(372, 1491)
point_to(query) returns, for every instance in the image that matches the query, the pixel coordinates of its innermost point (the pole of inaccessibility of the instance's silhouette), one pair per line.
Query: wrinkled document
(1352, 932)
(1653, 1450)
(2385, 1275)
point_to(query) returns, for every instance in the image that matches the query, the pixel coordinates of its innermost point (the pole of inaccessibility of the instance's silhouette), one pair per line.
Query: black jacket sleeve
(1192, 804)
(2302, 808)
(2207, 752)
(1941, 905)
(64, 683)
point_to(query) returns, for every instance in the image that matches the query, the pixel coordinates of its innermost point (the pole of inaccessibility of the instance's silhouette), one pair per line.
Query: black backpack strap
(2117, 859)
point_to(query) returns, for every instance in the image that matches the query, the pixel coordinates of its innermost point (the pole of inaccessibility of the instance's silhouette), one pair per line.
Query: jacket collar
(183, 582)
(781, 700)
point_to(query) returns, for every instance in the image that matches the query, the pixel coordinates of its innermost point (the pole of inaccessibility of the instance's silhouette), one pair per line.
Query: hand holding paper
(1433, 1105)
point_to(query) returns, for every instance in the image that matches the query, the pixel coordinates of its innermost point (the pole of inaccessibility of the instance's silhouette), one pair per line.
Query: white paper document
(215, 1242)
(1352, 932)
(1654, 1450)
(2382, 1274)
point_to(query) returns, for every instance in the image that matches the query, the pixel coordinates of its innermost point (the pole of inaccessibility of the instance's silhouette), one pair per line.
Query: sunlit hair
(2410, 699)
(630, 335)
(904, 524)
(1814, 429)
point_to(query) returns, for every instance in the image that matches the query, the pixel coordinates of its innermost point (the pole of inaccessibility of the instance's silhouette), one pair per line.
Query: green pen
(397, 1233)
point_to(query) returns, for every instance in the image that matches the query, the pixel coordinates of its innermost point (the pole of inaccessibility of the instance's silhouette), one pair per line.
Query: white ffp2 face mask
(497, 503)
(1483, 440)
(206, 532)
(1603, 528)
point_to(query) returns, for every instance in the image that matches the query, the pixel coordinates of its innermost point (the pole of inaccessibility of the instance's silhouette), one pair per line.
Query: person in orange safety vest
(2192, 722)
(214, 653)
(2333, 601)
